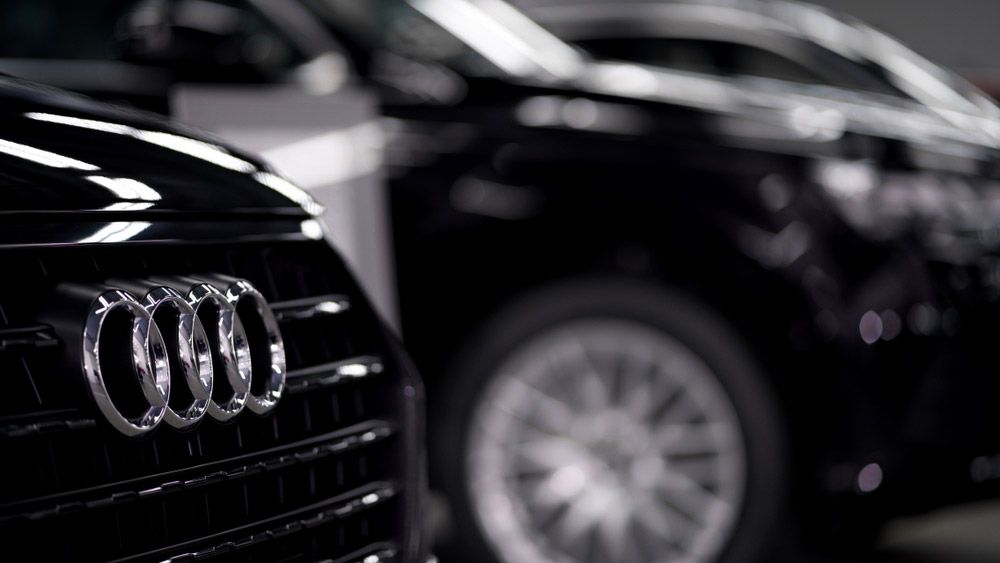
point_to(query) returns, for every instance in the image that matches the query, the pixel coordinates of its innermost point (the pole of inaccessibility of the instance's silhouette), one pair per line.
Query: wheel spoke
(656, 511)
(534, 406)
(549, 453)
(703, 470)
(582, 516)
(692, 440)
(654, 520)
(594, 387)
(690, 498)
(614, 533)
(650, 395)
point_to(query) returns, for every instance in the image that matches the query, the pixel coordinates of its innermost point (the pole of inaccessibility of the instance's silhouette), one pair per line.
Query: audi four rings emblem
(205, 343)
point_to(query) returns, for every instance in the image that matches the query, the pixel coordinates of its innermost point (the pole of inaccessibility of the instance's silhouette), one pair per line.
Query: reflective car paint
(61, 152)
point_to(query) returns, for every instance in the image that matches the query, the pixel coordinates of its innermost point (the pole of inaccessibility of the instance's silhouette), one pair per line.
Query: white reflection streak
(545, 49)
(621, 78)
(331, 307)
(184, 145)
(127, 188)
(118, 231)
(289, 190)
(467, 22)
(43, 157)
(922, 84)
(354, 370)
(198, 149)
(128, 206)
(646, 82)
(82, 123)
(312, 229)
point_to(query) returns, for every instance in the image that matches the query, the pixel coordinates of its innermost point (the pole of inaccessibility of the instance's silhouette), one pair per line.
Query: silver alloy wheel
(605, 441)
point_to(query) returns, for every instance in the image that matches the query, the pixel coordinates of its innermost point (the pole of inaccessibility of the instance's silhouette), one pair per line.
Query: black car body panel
(746, 229)
(62, 152)
(335, 470)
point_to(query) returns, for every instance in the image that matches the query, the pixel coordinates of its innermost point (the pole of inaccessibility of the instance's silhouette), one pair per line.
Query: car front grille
(322, 477)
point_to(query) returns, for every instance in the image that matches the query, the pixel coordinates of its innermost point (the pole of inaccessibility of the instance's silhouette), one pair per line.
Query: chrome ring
(272, 376)
(149, 363)
(233, 351)
(194, 356)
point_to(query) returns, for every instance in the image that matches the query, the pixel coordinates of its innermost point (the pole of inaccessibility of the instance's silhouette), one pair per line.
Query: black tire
(759, 529)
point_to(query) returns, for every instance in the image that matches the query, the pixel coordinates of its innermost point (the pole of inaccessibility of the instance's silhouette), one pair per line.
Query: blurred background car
(688, 280)
(190, 370)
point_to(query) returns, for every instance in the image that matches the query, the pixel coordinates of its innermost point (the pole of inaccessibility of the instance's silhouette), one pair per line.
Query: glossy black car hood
(64, 153)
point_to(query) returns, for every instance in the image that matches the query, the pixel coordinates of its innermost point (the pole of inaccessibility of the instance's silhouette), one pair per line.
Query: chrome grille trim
(377, 553)
(311, 307)
(34, 428)
(333, 373)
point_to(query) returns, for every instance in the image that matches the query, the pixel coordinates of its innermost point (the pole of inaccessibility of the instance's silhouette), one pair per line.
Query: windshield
(923, 80)
(883, 56)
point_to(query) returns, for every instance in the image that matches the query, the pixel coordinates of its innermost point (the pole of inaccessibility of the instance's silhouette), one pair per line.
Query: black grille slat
(78, 491)
(301, 452)
(28, 338)
(306, 518)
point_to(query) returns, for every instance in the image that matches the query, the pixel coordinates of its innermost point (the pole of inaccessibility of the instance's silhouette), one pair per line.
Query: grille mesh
(321, 477)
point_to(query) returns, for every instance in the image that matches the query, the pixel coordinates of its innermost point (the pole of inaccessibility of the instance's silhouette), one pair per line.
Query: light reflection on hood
(131, 189)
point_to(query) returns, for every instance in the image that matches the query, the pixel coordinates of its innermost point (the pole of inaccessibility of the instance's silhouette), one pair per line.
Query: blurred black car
(190, 372)
(688, 280)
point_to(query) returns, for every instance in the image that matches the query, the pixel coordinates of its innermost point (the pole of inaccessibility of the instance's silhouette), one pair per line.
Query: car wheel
(609, 421)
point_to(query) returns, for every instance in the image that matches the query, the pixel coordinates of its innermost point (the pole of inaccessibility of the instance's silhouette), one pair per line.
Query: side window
(722, 58)
(726, 58)
(680, 54)
(747, 60)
